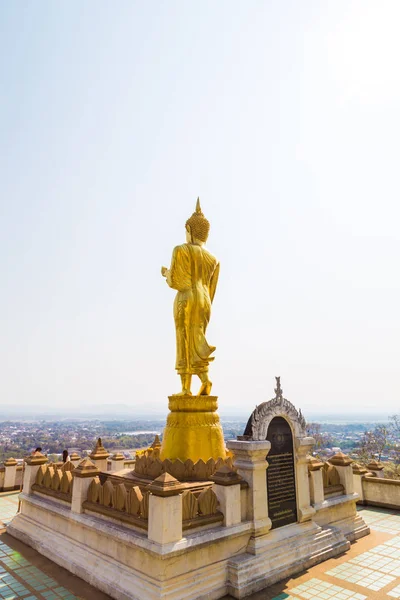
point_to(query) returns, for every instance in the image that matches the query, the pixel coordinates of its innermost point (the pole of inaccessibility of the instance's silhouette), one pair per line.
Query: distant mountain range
(126, 411)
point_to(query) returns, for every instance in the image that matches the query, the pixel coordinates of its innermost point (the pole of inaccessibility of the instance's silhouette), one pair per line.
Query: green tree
(322, 440)
(374, 443)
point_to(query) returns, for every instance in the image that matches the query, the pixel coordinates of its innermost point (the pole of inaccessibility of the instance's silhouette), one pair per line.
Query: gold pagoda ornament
(193, 429)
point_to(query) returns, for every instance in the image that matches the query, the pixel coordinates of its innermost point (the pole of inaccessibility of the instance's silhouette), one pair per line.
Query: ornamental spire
(278, 390)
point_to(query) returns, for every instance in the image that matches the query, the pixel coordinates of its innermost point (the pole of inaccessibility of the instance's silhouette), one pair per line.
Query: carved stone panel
(281, 484)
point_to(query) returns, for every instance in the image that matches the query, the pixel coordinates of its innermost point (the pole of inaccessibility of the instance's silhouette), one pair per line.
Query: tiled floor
(27, 575)
(370, 570)
(8, 507)
(395, 592)
(366, 578)
(20, 579)
(315, 588)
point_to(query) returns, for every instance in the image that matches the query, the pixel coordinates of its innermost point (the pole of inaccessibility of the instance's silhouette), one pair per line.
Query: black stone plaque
(281, 485)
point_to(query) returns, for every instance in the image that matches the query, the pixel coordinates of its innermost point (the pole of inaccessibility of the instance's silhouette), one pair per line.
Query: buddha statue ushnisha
(194, 274)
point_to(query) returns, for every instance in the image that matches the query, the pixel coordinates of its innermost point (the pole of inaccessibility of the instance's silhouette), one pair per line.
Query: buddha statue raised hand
(194, 274)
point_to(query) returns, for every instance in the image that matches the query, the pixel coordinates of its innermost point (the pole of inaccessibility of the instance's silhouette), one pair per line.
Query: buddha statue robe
(194, 274)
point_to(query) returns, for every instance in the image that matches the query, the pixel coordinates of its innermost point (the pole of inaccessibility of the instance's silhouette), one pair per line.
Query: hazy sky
(283, 116)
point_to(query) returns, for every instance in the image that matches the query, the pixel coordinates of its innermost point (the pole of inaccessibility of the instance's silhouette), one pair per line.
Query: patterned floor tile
(376, 562)
(385, 521)
(372, 580)
(316, 589)
(371, 515)
(18, 578)
(395, 541)
(386, 550)
(395, 592)
(8, 507)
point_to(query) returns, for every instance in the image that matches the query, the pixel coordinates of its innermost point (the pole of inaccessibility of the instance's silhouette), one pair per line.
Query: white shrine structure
(184, 531)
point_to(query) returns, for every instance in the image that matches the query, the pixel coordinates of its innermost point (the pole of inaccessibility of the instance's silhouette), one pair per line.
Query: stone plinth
(10, 474)
(316, 481)
(193, 430)
(227, 489)
(358, 474)
(75, 459)
(165, 510)
(343, 463)
(100, 456)
(83, 476)
(376, 468)
(303, 447)
(117, 462)
(32, 464)
(250, 461)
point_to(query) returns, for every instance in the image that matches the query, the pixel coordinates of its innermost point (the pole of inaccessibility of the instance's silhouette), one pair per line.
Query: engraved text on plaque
(281, 485)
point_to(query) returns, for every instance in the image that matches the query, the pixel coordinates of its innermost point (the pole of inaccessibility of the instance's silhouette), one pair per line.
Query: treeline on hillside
(142, 440)
(380, 442)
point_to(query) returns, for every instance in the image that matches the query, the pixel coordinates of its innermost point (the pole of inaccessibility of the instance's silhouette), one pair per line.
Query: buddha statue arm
(178, 275)
(214, 282)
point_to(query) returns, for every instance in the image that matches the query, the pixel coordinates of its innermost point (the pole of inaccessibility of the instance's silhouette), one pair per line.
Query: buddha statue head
(197, 226)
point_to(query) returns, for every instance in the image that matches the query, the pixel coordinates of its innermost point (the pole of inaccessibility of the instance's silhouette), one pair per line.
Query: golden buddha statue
(193, 430)
(194, 274)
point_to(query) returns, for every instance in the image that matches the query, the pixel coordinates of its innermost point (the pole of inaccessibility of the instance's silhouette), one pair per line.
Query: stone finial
(340, 460)
(86, 468)
(10, 462)
(263, 413)
(278, 390)
(118, 456)
(75, 456)
(37, 458)
(99, 451)
(165, 485)
(226, 476)
(359, 469)
(156, 443)
(314, 464)
(374, 465)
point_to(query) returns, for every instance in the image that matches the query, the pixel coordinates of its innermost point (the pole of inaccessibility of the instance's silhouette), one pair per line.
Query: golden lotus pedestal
(193, 430)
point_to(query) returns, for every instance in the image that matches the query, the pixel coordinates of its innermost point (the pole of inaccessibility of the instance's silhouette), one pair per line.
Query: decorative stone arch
(257, 429)
(261, 417)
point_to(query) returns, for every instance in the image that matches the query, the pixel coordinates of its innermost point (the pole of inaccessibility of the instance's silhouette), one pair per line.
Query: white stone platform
(208, 564)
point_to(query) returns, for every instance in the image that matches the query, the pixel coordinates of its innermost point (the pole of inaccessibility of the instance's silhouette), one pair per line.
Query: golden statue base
(193, 430)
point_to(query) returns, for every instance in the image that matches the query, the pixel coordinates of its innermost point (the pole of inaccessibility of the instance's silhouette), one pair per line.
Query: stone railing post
(117, 462)
(343, 463)
(99, 456)
(10, 474)
(75, 459)
(250, 459)
(227, 489)
(82, 477)
(316, 481)
(32, 464)
(165, 510)
(374, 466)
(303, 447)
(358, 475)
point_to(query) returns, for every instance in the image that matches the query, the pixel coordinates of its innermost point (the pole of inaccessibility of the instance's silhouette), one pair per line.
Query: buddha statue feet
(205, 388)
